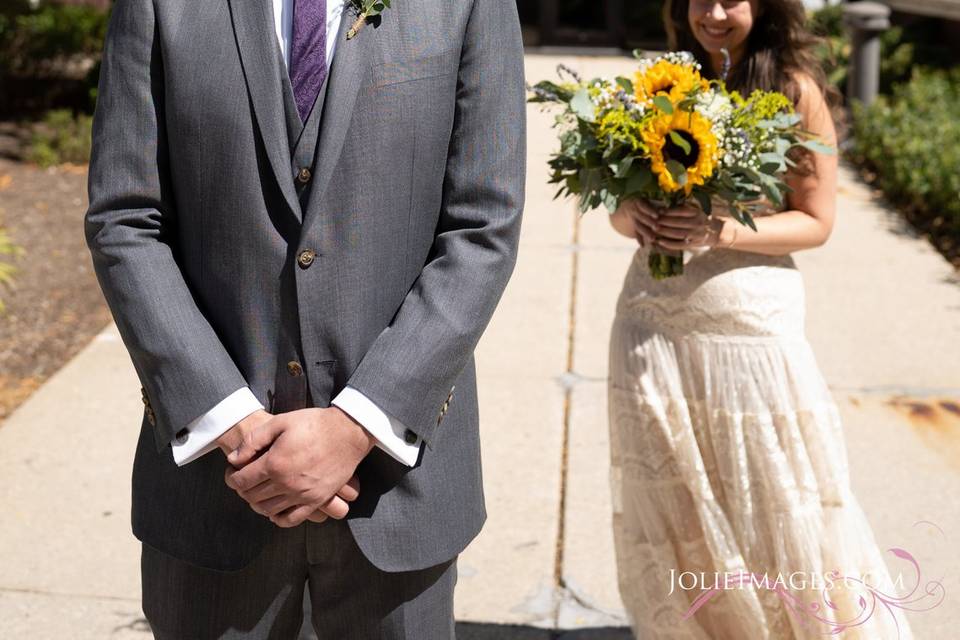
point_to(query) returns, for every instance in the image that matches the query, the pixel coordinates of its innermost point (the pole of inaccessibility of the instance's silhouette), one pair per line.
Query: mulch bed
(55, 306)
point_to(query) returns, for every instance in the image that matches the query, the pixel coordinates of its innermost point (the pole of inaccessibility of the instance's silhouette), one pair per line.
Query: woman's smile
(718, 33)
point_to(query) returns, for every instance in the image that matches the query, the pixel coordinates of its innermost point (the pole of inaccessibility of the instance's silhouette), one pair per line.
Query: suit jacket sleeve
(411, 366)
(131, 230)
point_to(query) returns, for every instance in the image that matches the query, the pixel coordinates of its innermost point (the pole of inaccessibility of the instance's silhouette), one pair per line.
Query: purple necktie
(308, 52)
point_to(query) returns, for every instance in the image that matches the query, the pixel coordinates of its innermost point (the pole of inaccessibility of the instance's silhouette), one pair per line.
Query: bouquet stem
(664, 266)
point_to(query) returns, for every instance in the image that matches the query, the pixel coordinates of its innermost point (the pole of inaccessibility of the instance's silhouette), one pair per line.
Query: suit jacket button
(305, 259)
(294, 368)
(303, 176)
(410, 437)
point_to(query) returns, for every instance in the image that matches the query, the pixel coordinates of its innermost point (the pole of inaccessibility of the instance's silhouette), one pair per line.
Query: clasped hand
(296, 466)
(676, 229)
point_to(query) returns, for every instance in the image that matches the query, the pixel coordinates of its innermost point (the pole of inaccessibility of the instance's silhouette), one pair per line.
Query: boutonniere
(366, 10)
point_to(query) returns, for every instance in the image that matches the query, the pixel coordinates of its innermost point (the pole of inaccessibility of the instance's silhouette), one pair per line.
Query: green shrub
(902, 47)
(7, 248)
(48, 54)
(911, 141)
(61, 137)
(31, 39)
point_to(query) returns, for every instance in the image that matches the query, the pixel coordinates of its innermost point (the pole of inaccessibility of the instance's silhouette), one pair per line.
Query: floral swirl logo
(823, 614)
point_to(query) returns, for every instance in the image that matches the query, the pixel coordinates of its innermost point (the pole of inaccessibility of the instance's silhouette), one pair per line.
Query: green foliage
(7, 248)
(902, 47)
(61, 137)
(911, 140)
(694, 141)
(366, 10)
(33, 38)
(53, 45)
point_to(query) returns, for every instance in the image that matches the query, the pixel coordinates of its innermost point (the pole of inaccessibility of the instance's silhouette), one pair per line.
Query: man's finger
(263, 491)
(244, 479)
(292, 516)
(256, 441)
(318, 516)
(273, 506)
(336, 508)
(351, 490)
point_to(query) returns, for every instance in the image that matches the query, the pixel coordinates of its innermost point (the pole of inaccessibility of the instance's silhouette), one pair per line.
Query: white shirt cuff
(202, 433)
(389, 432)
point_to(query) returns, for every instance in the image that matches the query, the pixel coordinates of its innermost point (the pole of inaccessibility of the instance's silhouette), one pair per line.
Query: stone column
(865, 21)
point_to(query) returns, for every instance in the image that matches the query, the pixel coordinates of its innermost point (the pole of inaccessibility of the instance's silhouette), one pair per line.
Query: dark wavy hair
(779, 46)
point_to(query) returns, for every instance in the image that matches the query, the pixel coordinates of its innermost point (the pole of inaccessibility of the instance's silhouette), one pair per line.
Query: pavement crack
(568, 380)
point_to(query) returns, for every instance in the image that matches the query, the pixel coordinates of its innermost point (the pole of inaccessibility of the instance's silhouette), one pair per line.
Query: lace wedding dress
(728, 456)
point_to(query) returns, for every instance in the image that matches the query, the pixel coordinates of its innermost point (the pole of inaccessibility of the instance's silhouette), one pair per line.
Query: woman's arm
(811, 205)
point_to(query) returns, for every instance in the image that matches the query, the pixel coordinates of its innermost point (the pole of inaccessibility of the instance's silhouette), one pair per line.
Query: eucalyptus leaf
(771, 168)
(818, 147)
(625, 83)
(611, 201)
(582, 106)
(623, 168)
(703, 198)
(678, 172)
(680, 142)
(638, 180)
(663, 103)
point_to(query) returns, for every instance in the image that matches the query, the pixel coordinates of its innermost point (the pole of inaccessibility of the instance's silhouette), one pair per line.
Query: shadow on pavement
(484, 631)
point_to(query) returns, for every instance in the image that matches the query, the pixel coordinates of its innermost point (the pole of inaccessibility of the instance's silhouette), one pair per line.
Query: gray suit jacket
(222, 261)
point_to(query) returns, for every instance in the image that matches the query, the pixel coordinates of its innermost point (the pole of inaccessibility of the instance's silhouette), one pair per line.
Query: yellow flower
(622, 127)
(700, 157)
(665, 77)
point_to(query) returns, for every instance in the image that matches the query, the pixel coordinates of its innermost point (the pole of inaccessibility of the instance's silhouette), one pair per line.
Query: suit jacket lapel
(259, 54)
(346, 76)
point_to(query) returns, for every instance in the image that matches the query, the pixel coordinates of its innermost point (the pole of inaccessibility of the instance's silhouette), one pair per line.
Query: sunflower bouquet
(670, 136)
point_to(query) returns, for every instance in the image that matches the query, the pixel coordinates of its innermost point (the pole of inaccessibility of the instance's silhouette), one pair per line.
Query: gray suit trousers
(349, 597)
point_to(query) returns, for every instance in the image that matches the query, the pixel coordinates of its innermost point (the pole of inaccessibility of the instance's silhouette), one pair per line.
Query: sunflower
(698, 155)
(665, 77)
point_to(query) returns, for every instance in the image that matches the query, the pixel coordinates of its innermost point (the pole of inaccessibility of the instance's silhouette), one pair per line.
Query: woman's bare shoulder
(813, 106)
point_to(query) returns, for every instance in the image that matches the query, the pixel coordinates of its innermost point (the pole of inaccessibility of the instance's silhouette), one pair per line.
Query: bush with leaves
(916, 42)
(46, 48)
(910, 141)
(7, 249)
(61, 137)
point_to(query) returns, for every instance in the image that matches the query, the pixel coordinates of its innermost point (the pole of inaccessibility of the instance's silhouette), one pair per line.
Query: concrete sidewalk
(883, 317)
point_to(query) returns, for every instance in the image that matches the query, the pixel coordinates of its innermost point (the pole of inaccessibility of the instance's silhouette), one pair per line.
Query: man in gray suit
(302, 219)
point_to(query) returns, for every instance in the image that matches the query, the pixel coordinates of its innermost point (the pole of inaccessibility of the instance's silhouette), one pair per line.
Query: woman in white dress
(727, 450)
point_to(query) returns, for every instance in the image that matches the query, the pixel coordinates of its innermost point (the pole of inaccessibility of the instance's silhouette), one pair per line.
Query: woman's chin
(714, 42)
(713, 45)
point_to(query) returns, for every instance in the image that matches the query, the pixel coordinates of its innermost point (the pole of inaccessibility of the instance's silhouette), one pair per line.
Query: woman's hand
(636, 219)
(687, 227)
(644, 217)
(672, 230)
